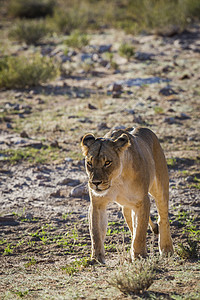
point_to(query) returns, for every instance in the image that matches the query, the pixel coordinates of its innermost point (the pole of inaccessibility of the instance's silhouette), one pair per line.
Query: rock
(102, 126)
(104, 63)
(84, 120)
(24, 134)
(90, 106)
(54, 144)
(8, 221)
(170, 120)
(167, 91)
(119, 127)
(144, 56)
(68, 159)
(9, 126)
(80, 190)
(34, 144)
(104, 48)
(138, 119)
(116, 94)
(190, 179)
(85, 57)
(69, 182)
(115, 87)
(141, 81)
(183, 116)
(57, 194)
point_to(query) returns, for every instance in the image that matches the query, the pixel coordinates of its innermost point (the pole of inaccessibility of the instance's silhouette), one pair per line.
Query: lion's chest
(126, 193)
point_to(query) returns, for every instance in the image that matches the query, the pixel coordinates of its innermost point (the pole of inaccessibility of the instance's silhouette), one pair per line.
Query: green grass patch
(31, 155)
(126, 50)
(23, 72)
(76, 266)
(171, 162)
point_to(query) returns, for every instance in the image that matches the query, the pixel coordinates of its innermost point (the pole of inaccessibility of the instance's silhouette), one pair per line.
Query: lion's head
(103, 160)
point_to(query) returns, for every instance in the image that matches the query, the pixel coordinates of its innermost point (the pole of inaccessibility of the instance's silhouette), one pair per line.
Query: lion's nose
(96, 182)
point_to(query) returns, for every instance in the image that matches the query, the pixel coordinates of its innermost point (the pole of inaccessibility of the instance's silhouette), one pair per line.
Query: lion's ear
(86, 142)
(122, 142)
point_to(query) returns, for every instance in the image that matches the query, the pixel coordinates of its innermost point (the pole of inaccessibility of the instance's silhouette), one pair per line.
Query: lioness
(126, 166)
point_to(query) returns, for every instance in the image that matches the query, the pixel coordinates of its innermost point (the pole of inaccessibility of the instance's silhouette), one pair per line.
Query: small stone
(8, 221)
(105, 48)
(138, 119)
(57, 194)
(69, 182)
(183, 116)
(170, 120)
(9, 126)
(167, 91)
(189, 179)
(24, 134)
(79, 191)
(68, 159)
(90, 106)
(143, 56)
(102, 126)
(115, 87)
(54, 144)
(34, 144)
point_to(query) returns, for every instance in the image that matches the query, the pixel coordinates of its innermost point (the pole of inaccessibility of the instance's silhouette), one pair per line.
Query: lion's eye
(89, 163)
(108, 163)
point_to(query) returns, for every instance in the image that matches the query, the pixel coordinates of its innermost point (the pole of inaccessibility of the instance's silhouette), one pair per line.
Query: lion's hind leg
(127, 212)
(161, 194)
(153, 226)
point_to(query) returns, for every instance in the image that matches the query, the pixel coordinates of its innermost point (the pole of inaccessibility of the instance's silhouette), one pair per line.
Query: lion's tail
(154, 227)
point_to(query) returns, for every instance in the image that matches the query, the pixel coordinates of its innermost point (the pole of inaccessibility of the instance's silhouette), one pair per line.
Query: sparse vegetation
(30, 32)
(22, 72)
(45, 244)
(126, 50)
(31, 8)
(32, 155)
(188, 250)
(136, 277)
(76, 266)
(77, 40)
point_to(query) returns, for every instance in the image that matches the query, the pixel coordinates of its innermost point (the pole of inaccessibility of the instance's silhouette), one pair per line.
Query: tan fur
(125, 166)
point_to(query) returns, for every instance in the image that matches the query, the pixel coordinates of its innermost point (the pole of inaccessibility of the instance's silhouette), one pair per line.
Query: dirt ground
(44, 233)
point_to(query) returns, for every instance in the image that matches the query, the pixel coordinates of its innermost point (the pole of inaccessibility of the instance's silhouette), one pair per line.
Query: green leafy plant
(76, 266)
(188, 250)
(8, 250)
(30, 32)
(22, 72)
(158, 110)
(31, 262)
(77, 40)
(126, 50)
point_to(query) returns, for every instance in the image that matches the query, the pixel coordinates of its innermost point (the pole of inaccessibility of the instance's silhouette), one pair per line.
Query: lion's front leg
(140, 217)
(98, 228)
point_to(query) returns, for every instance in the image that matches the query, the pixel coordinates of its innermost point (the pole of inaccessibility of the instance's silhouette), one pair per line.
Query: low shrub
(22, 72)
(77, 40)
(126, 50)
(136, 277)
(67, 21)
(31, 8)
(30, 32)
(188, 250)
